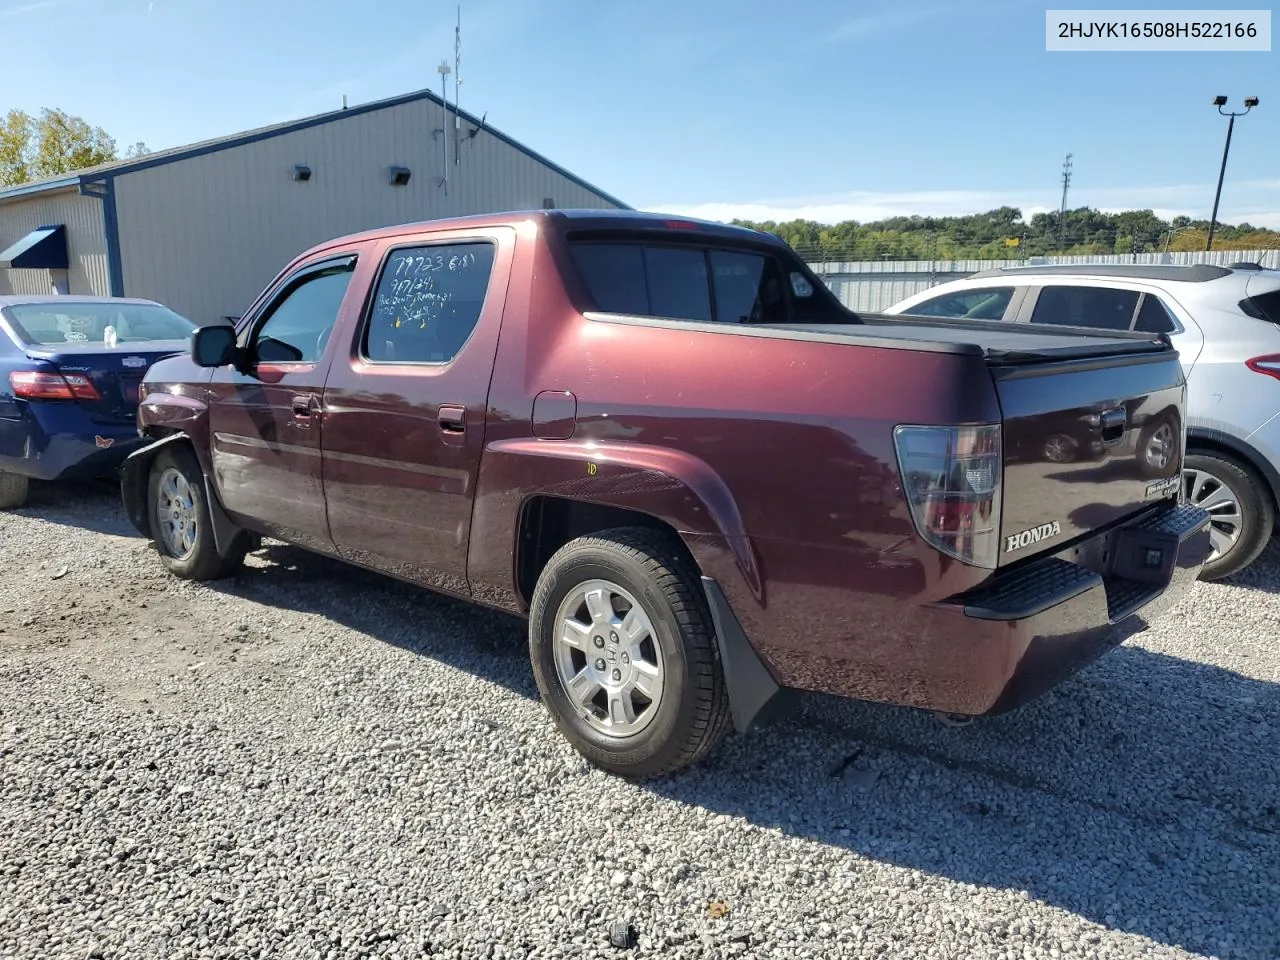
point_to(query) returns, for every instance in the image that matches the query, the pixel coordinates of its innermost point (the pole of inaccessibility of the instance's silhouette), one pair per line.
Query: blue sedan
(70, 368)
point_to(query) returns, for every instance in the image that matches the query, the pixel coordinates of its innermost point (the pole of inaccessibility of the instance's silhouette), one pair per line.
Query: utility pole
(1062, 211)
(1220, 102)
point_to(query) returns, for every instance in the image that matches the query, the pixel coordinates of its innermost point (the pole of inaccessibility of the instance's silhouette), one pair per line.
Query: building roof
(174, 154)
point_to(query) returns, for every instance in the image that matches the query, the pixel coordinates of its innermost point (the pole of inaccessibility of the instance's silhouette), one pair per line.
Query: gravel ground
(312, 761)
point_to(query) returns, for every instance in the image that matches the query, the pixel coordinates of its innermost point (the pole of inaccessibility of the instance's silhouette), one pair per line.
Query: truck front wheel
(179, 519)
(624, 653)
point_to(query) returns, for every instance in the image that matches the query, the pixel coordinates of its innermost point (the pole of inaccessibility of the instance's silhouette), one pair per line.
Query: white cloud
(1256, 201)
(883, 21)
(25, 8)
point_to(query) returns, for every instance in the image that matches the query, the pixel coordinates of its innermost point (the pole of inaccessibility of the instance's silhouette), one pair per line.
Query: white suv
(1225, 323)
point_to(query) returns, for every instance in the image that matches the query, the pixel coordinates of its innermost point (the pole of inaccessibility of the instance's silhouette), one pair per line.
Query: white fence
(872, 285)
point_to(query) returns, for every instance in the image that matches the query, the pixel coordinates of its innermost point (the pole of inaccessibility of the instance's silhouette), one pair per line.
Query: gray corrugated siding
(86, 242)
(206, 234)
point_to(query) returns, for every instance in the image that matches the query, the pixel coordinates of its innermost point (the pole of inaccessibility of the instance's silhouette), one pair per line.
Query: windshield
(40, 324)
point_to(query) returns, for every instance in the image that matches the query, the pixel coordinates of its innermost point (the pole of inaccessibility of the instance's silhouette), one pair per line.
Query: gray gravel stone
(361, 769)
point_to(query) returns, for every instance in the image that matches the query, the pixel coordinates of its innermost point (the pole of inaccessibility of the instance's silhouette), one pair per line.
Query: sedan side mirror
(213, 346)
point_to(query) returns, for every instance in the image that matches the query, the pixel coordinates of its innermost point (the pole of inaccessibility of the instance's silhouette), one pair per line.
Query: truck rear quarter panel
(772, 457)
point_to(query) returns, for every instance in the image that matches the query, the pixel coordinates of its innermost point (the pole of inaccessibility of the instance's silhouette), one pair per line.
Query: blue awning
(41, 249)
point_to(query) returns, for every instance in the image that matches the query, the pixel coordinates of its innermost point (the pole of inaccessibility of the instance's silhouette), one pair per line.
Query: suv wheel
(624, 653)
(1241, 511)
(180, 524)
(13, 490)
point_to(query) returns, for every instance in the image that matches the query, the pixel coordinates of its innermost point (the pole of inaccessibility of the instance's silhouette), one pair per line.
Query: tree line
(1004, 234)
(53, 143)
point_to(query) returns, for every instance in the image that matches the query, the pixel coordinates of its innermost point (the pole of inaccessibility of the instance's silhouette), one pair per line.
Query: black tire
(1257, 512)
(693, 708)
(13, 490)
(203, 561)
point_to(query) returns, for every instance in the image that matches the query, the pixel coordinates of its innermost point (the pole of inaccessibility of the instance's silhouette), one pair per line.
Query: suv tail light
(52, 386)
(951, 478)
(1268, 365)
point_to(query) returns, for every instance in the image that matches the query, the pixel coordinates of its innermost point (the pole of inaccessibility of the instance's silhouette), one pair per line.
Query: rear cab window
(706, 283)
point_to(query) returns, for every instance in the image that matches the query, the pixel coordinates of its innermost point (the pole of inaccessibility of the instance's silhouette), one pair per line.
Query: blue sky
(717, 107)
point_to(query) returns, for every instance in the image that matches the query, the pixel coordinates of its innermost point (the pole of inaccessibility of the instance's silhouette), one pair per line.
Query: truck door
(265, 418)
(406, 405)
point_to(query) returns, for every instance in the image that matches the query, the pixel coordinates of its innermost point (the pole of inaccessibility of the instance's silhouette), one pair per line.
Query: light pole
(1220, 102)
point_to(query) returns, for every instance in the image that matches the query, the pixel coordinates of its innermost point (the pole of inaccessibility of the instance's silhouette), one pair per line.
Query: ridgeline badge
(1016, 541)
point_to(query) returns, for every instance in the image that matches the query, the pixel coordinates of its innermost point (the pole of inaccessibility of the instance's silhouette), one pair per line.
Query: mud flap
(753, 693)
(135, 478)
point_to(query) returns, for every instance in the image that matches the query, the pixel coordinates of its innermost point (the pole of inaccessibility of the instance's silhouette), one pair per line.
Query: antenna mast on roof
(457, 82)
(444, 69)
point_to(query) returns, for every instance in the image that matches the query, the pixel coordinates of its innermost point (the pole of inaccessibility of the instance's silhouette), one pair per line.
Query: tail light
(951, 477)
(1268, 365)
(31, 385)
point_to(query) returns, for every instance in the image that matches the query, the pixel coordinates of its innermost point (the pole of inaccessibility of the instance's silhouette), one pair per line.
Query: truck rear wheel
(13, 490)
(1240, 510)
(179, 516)
(624, 653)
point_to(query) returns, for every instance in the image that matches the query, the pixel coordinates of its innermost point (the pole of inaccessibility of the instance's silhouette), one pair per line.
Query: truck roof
(584, 219)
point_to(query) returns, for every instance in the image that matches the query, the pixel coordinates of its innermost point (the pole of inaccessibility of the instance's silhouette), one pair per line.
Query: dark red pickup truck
(699, 476)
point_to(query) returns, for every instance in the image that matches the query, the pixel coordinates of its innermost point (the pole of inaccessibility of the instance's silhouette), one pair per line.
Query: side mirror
(213, 346)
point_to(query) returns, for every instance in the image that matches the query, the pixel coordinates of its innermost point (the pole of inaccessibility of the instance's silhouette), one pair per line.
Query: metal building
(204, 228)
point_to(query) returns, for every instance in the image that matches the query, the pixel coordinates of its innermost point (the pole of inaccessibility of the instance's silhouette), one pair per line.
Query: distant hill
(1002, 233)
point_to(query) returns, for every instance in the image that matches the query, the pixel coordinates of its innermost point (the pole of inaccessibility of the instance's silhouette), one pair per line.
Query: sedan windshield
(106, 324)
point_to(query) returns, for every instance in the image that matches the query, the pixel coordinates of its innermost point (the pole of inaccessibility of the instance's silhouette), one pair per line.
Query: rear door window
(985, 303)
(1079, 306)
(428, 302)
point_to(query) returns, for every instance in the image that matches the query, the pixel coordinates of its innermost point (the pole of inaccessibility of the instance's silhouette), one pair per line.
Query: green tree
(984, 236)
(55, 142)
(15, 142)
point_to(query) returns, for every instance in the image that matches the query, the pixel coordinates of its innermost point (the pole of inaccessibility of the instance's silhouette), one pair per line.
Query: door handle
(302, 407)
(452, 419)
(1112, 422)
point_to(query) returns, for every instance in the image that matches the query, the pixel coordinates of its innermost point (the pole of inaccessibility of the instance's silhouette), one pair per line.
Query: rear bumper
(1030, 628)
(64, 443)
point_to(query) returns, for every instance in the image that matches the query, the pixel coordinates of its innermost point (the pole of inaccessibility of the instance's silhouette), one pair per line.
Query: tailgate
(1088, 441)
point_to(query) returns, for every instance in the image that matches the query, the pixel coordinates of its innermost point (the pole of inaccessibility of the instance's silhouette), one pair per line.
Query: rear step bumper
(1038, 624)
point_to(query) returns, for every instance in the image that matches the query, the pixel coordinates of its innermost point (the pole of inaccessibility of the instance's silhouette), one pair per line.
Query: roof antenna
(444, 70)
(457, 82)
